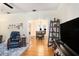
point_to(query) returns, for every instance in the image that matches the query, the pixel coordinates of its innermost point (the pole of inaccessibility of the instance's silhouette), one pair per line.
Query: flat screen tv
(70, 34)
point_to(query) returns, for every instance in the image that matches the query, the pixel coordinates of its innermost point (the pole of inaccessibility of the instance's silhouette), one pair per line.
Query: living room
(24, 20)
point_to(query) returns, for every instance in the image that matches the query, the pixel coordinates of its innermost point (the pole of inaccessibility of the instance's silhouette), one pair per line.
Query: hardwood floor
(38, 48)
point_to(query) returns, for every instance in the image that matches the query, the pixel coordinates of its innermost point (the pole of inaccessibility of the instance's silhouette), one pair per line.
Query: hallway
(38, 48)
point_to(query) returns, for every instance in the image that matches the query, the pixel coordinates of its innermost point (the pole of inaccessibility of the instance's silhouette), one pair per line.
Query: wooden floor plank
(38, 48)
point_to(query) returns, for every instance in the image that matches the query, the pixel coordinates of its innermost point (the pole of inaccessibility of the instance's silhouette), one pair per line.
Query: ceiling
(28, 7)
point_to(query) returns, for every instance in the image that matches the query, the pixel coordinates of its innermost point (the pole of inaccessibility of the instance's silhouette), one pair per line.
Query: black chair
(14, 41)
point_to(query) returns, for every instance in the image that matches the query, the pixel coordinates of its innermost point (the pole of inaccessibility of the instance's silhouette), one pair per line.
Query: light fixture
(8, 5)
(39, 20)
(34, 10)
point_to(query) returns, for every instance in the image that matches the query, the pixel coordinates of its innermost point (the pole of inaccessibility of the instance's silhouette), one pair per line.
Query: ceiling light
(8, 5)
(33, 10)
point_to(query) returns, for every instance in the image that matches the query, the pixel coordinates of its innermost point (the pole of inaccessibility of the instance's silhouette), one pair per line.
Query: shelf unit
(54, 31)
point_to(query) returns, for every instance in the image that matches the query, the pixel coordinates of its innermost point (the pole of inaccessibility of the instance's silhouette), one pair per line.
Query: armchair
(14, 41)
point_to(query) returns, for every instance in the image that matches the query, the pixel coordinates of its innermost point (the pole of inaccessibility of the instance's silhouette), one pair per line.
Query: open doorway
(36, 24)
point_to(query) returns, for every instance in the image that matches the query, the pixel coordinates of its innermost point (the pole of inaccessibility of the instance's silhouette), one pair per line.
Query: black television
(70, 34)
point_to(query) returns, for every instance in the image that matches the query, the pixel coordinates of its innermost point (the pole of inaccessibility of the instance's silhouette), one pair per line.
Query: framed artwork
(15, 26)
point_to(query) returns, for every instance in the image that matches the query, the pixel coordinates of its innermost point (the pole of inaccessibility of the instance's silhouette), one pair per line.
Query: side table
(23, 43)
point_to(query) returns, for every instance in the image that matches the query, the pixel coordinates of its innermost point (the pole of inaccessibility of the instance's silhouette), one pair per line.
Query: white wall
(6, 19)
(68, 11)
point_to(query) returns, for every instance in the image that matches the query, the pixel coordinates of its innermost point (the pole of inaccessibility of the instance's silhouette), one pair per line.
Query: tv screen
(70, 34)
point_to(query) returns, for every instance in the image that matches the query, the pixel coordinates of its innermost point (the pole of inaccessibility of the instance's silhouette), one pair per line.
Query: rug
(11, 52)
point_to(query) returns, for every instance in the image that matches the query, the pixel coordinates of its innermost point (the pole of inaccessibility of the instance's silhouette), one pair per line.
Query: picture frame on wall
(15, 26)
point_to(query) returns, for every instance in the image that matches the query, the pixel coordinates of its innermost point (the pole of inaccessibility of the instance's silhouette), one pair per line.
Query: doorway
(35, 25)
